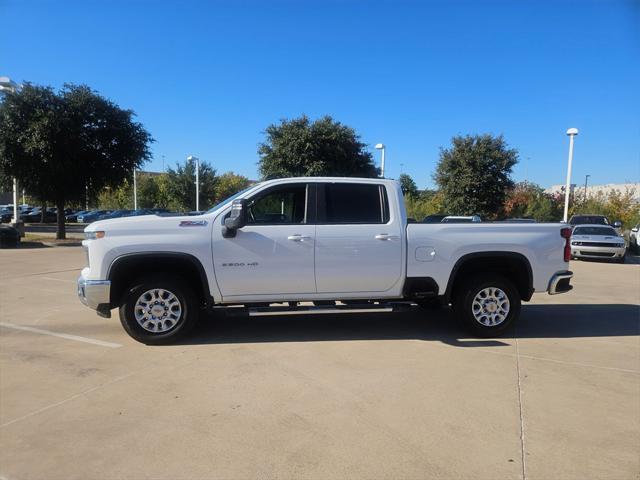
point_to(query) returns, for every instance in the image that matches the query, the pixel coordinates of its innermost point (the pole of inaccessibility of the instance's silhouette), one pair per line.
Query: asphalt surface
(359, 396)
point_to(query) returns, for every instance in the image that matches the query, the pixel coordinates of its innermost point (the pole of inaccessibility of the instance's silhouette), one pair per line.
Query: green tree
(528, 200)
(426, 203)
(59, 143)
(115, 198)
(181, 190)
(148, 191)
(229, 184)
(474, 175)
(408, 186)
(299, 147)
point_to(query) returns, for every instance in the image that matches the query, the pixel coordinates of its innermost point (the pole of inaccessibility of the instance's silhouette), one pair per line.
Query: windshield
(231, 198)
(582, 219)
(595, 231)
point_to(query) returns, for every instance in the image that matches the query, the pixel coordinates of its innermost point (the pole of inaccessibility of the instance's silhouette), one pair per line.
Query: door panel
(358, 242)
(262, 260)
(273, 254)
(349, 258)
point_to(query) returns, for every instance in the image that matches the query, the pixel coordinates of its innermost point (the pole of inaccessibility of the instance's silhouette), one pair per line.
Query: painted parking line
(60, 335)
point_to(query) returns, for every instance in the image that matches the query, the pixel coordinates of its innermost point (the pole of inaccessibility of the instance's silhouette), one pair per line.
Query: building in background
(604, 190)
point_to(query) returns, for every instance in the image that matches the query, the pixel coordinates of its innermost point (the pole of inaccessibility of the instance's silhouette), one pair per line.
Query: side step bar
(329, 309)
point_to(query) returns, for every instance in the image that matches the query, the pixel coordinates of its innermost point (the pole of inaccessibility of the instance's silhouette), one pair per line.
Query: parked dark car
(591, 219)
(6, 215)
(116, 214)
(9, 237)
(35, 216)
(91, 216)
(73, 217)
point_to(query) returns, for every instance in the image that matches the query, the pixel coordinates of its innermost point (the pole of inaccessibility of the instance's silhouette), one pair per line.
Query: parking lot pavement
(360, 396)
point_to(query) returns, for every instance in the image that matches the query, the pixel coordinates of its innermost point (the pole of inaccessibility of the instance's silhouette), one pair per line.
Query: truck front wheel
(488, 304)
(157, 310)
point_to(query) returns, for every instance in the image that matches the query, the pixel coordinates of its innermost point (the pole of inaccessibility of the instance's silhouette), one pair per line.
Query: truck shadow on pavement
(536, 321)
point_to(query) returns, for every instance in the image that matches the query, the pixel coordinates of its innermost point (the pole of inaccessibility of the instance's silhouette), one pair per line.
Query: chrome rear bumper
(560, 283)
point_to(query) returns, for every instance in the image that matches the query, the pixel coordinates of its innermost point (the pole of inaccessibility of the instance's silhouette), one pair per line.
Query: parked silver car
(597, 241)
(634, 245)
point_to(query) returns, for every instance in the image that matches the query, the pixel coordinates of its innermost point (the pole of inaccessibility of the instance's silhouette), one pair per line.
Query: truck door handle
(386, 236)
(298, 238)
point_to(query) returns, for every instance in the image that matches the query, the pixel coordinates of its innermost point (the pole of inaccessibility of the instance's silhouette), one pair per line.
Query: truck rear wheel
(157, 310)
(487, 304)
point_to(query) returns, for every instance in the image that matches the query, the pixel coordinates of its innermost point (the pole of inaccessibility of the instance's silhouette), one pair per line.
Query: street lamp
(380, 146)
(572, 132)
(586, 179)
(135, 190)
(191, 158)
(9, 86)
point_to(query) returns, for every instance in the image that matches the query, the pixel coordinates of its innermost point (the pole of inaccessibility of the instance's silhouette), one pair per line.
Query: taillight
(566, 234)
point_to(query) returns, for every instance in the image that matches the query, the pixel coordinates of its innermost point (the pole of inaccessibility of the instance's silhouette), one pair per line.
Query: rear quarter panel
(445, 244)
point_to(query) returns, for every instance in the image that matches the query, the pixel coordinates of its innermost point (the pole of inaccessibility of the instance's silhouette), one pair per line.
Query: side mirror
(237, 219)
(634, 229)
(617, 224)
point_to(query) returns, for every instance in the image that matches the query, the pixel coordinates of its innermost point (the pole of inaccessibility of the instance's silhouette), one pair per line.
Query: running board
(317, 310)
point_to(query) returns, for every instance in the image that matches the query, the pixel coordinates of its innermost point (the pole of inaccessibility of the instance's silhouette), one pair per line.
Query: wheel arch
(513, 265)
(128, 267)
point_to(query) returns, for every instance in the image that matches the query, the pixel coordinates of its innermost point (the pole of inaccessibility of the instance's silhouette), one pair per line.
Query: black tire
(463, 304)
(175, 329)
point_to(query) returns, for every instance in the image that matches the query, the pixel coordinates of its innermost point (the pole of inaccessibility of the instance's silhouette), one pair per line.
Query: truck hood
(149, 224)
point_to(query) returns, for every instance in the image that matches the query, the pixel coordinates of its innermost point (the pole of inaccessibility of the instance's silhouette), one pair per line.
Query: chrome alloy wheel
(490, 306)
(158, 310)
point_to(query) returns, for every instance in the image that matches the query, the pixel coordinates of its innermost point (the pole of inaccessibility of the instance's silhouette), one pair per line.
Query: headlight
(94, 235)
(576, 243)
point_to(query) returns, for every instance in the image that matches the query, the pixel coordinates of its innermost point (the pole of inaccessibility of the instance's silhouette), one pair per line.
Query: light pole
(9, 86)
(572, 132)
(586, 179)
(380, 146)
(135, 190)
(197, 160)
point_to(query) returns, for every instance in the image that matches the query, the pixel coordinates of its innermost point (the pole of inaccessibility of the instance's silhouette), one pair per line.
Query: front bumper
(95, 294)
(560, 283)
(581, 251)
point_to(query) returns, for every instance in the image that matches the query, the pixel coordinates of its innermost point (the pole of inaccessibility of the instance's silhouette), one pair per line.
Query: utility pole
(572, 132)
(380, 146)
(191, 158)
(586, 179)
(135, 191)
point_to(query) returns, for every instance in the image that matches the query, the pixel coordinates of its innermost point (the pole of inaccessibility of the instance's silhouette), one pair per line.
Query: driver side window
(280, 206)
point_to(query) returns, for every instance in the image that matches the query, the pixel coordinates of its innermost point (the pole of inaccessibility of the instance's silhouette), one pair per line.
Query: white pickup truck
(342, 243)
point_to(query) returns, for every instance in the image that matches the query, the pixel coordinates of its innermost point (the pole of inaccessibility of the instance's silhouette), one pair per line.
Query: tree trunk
(60, 232)
(43, 210)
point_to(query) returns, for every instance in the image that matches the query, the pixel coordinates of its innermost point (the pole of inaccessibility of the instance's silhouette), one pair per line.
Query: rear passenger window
(355, 203)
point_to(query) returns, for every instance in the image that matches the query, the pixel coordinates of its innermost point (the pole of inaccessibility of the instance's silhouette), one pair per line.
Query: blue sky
(207, 77)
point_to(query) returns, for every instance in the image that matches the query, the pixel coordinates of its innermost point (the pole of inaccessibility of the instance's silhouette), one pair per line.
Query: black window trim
(321, 205)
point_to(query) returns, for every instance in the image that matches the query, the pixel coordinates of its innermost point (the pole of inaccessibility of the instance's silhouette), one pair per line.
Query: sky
(206, 78)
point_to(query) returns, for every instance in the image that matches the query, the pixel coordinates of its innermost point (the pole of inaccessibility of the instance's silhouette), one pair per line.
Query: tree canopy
(408, 186)
(181, 184)
(474, 175)
(325, 147)
(229, 184)
(61, 145)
